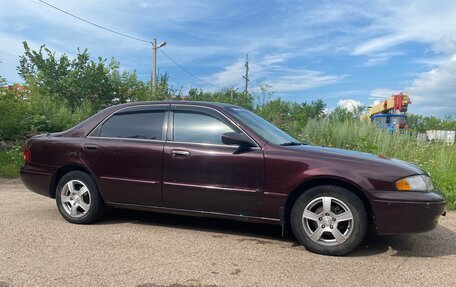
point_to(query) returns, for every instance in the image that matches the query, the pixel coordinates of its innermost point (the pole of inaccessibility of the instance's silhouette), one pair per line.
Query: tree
(76, 81)
(163, 90)
(291, 116)
(420, 123)
(14, 113)
(228, 96)
(266, 94)
(64, 91)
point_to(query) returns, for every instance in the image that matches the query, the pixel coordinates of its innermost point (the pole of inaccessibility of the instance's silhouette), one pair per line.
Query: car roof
(193, 103)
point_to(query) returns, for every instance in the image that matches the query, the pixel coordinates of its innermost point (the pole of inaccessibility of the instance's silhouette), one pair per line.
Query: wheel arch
(64, 170)
(306, 185)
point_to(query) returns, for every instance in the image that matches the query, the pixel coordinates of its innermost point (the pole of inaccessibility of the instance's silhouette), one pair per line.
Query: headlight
(415, 183)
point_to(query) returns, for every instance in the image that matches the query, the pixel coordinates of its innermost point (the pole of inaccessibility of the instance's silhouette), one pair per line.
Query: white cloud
(38, 23)
(380, 58)
(432, 61)
(300, 46)
(434, 92)
(382, 94)
(349, 104)
(274, 59)
(378, 44)
(394, 23)
(299, 80)
(230, 76)
(271, 70)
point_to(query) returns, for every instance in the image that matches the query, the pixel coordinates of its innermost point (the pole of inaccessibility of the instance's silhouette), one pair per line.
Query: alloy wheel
(75, 198)
(327, 221)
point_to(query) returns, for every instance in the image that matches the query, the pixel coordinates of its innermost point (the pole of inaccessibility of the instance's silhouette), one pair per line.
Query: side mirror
(239, 139)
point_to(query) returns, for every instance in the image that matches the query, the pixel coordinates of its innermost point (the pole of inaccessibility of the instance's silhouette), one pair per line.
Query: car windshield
(263, 128)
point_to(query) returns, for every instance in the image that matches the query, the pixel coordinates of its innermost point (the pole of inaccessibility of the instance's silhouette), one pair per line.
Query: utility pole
(246, 76)
(154, 62)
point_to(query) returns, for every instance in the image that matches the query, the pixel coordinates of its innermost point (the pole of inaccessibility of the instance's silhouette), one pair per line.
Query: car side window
(135, 124)
(196, 127)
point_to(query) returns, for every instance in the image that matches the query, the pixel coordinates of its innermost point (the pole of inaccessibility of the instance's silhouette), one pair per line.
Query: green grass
(10, 162)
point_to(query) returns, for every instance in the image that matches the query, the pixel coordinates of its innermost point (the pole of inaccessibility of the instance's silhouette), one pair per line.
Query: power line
(187, 71)
(94, 24)
(128, 36)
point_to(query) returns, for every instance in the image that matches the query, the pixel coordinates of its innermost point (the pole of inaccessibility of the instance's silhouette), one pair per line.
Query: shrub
(14, 117)
(11, 161)
(51, 116)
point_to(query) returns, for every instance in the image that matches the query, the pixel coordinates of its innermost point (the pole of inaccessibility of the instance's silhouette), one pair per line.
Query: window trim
(168, 124)
(206, 111)
(160, 107)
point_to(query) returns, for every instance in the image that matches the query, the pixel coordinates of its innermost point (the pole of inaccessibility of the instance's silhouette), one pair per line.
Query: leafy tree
(78, 80)
(64, 91)
(422, 123)
(276, 111)
(266, 94)
(228, 96)
(14, 113)
(343, 114)
(164, 91)
(289, 116)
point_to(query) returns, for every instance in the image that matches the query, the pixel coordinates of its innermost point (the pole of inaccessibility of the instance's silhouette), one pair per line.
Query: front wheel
(78, 199)
(329, 220)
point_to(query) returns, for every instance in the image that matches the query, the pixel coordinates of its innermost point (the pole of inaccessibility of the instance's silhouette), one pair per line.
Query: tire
(78, 199)
(347, 220)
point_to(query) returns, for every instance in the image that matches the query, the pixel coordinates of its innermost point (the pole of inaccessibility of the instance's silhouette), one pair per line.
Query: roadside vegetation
(61, 92)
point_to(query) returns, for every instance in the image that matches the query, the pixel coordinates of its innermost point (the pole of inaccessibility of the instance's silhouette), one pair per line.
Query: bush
(11, 161)
(51, 116)
(14, 117)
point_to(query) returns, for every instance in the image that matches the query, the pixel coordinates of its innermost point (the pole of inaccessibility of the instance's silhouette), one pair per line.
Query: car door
(201, 173)
(125, 153)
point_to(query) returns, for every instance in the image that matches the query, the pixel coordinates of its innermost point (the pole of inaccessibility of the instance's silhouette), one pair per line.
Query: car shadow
(439, 242)
(222, 227)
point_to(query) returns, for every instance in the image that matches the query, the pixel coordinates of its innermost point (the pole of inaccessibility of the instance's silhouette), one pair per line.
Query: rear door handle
(91, 146)
(180, 153)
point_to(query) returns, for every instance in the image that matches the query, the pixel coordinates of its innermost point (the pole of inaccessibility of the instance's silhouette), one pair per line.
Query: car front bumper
(406, 211)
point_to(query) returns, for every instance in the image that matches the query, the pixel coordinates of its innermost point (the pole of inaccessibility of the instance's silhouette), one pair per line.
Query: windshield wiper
(290, 143)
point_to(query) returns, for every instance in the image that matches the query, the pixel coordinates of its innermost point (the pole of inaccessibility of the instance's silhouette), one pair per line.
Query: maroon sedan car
(221, 160)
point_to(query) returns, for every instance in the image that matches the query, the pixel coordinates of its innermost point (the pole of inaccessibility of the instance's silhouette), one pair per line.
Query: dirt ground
(39, 248)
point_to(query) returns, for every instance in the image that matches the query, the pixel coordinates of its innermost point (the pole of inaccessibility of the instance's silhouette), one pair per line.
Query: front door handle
(180, 153)
(91, 146)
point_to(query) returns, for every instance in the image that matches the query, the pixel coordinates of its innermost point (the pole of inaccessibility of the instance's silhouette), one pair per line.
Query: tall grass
(436, 158)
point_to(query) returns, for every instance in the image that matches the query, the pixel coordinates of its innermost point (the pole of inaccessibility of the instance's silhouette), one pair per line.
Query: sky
(347, 53)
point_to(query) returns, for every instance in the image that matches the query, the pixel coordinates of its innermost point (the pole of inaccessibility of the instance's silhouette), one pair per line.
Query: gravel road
(39, 248)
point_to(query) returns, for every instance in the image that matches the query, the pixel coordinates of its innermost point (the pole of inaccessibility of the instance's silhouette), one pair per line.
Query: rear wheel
(78, 199)
(329, 220)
